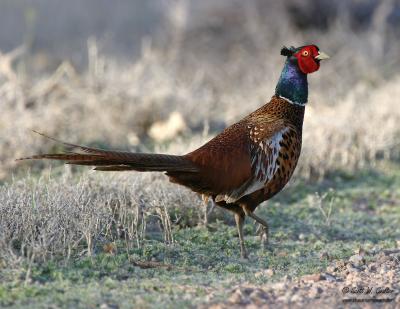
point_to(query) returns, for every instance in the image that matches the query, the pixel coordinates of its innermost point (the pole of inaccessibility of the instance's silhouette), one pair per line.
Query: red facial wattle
(306, 59)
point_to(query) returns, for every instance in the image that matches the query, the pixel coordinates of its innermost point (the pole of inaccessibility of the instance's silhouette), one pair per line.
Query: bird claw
(264, 240)
(262, 231)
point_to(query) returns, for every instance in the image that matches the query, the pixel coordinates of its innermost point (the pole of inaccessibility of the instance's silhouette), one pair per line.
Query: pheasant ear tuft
(286, 51)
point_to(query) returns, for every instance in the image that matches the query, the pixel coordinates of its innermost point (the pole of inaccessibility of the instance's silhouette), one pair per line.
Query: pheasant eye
(305, 53)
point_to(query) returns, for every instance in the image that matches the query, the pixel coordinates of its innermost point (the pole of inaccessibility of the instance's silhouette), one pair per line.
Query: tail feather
(108, 160)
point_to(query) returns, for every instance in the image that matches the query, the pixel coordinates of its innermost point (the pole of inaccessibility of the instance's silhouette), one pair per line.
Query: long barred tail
(108, 160)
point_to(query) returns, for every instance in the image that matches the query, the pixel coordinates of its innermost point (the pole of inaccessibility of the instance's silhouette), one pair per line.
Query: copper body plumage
(246, 164)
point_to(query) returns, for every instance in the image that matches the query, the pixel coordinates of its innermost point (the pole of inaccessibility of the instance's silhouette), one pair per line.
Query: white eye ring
(305, 53)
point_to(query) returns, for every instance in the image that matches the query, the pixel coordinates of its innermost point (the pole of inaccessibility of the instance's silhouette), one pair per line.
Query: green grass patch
(347, 213)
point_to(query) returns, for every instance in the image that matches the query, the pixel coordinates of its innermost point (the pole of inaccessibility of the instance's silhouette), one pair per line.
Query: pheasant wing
(265, 143)
(237, 162)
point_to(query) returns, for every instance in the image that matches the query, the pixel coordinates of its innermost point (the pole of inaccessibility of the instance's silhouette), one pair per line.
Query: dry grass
(341, 131)
(45, 218)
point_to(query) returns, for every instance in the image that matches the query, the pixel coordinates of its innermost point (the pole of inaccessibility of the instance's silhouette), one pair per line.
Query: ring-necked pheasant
(246, 164)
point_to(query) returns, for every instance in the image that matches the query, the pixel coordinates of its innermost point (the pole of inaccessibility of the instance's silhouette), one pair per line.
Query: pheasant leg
(264, 229)
(239, 223)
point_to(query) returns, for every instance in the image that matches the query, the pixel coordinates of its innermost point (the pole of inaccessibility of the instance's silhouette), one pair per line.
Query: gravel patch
(366, 279)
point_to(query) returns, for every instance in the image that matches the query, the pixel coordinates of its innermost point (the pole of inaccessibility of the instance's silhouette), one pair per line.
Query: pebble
(382, 258)
(259, 294)
(287, 278)
(315, 291)
(372, 267)
(357, 260)
(108, 306)
(330, 278)
(383, 270)
(236, 297)
(351, 268)
(296, 298)
(280, 286)
(313, 277)
(390, 274)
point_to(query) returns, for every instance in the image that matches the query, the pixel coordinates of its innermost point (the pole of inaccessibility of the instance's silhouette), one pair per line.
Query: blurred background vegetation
(159, 71)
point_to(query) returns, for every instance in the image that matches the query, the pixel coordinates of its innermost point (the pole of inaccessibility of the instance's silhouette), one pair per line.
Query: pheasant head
(300, 61)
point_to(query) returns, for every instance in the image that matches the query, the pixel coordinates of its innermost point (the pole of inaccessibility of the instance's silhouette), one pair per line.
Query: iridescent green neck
(292, 84)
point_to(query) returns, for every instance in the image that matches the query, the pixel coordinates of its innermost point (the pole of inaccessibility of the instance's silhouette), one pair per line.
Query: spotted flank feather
(264, 153)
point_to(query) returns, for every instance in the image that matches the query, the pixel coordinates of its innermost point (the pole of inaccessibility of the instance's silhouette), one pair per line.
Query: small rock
(302, 236)
(382, 257)
(391, 251)
(383, 270)
(287, 278)
(372, 267)
(341, 266)
(357, 260)
(374, 250)
(313, 277)
(247, 291)
(258, 296)
(332, 269)
(108, 306)
(352, 268)
(284, 298)
(330, 278)
(315, 291)
(349, 280)
(279, 286)
(236, 297)
(296, 298)
(390, 274)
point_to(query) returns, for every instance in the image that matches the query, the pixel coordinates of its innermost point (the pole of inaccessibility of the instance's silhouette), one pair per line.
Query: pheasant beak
(322, 56)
